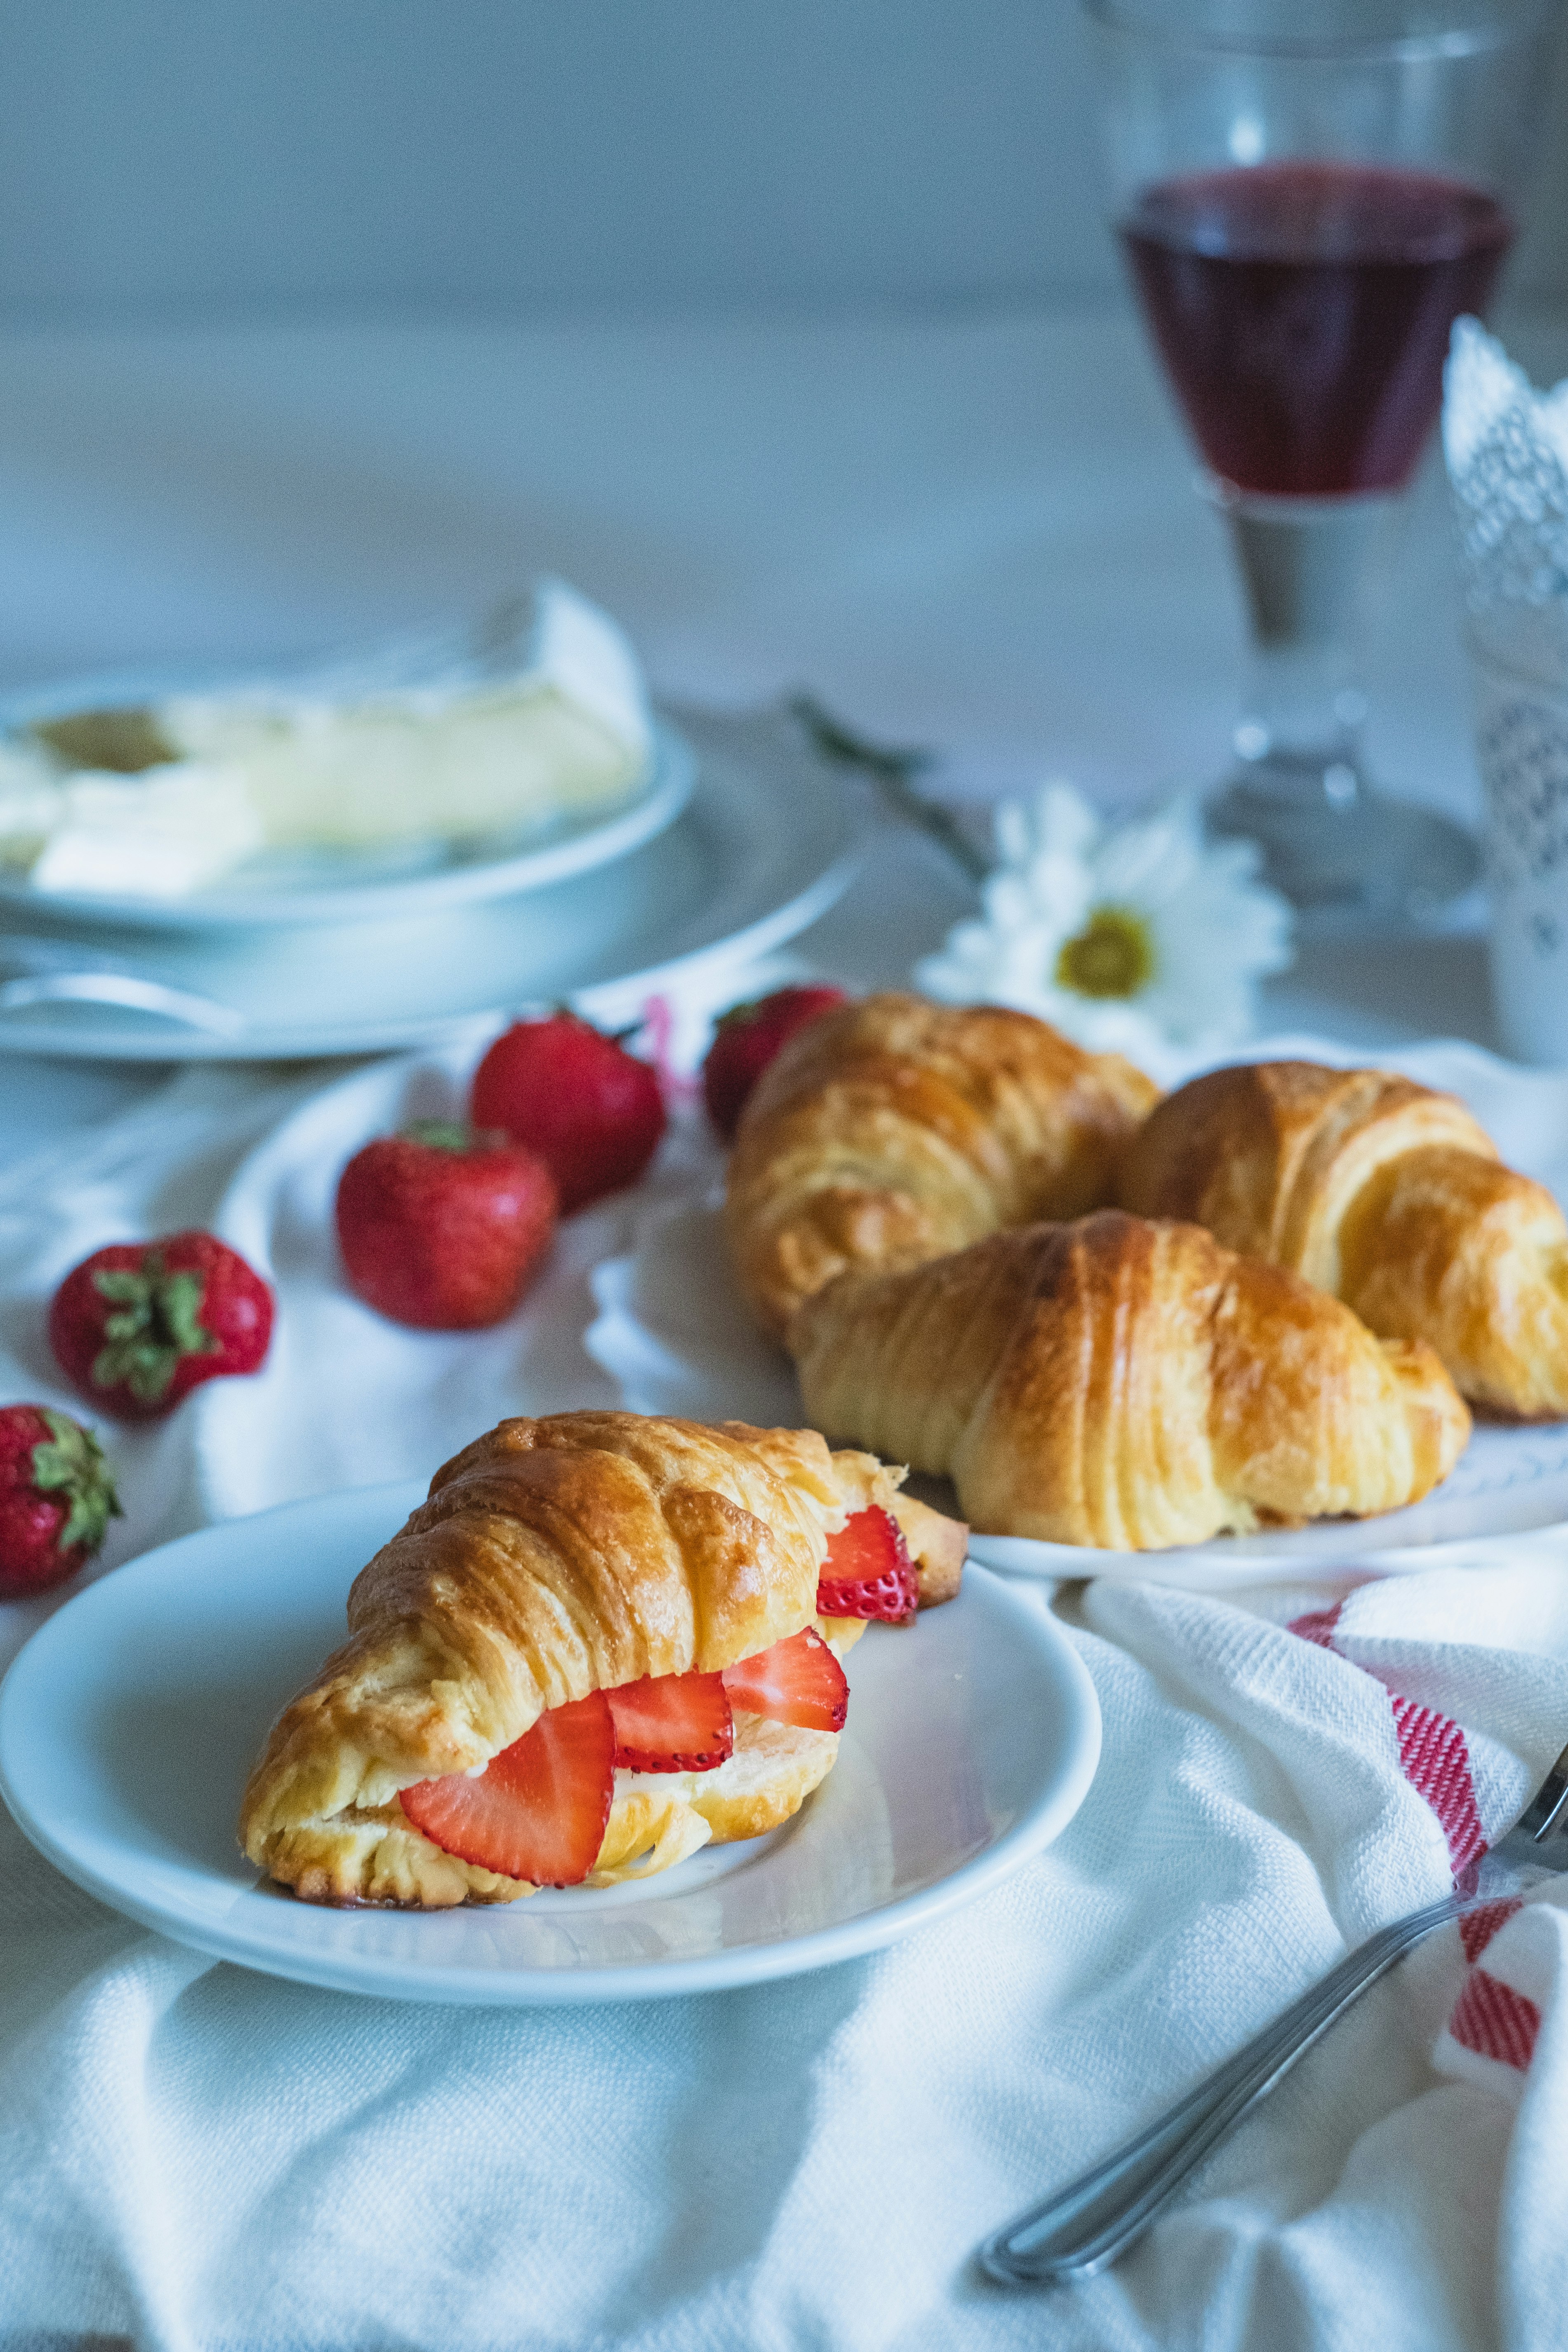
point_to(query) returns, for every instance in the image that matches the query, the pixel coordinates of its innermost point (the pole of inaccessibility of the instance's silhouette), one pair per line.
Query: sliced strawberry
(537, 1810)
(868, 1571)
(799, 1681)
(672, 1723)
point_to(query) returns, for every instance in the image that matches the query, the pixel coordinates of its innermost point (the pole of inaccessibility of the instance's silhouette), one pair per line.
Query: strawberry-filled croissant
(1127, 1384)
(597, 1646)
(1388, 1195)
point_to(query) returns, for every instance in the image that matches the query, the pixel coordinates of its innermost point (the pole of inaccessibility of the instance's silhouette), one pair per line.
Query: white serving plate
(673, 1333)
(130, 1720)
(764, 844)
(292, 888)
(1508, 1482)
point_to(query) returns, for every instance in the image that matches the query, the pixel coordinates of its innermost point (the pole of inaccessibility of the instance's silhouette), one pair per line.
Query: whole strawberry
(138, 1325)
(592, 1111)
(442, 1229)
(748, 1038)
(56, 1498)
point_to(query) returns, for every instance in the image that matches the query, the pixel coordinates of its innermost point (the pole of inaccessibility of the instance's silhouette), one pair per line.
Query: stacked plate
(741, 836)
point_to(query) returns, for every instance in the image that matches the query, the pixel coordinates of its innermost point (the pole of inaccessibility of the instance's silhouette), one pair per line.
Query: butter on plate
(160, 798)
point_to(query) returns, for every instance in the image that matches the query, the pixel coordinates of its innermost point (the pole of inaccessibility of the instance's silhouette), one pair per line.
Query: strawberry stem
(438, 1134)
(157, 1326)
(70, 1462)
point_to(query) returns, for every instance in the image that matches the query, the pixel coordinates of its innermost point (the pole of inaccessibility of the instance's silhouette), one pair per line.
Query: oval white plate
(764, 845)
(130, 1720)
(296, 886)
(673, 1333)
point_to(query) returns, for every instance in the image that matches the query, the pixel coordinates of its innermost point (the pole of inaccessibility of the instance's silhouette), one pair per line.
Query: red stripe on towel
(1477, 1927)
(1437, 1763)
(1318, 1626)
(1488, 2017)
(1494, 2021)
(1433, 1753)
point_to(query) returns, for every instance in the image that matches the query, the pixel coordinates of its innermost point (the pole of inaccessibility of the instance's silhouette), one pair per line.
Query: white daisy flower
(1130, 939)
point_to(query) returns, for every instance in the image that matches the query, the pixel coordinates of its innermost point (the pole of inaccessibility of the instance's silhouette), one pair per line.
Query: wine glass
(1309, 193)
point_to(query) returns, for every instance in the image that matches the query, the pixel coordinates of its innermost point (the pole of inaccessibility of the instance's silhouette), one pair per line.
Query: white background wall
(198, 158)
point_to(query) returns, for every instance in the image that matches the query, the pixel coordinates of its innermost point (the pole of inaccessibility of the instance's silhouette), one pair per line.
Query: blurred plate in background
(290, 887)
(764, 845)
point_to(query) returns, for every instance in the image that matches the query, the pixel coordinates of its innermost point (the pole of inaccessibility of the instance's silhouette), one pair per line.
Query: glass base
(1340, 852)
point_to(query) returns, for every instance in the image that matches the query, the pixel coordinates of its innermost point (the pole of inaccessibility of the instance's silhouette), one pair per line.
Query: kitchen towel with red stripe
(1414, 1718)
(195, 2156)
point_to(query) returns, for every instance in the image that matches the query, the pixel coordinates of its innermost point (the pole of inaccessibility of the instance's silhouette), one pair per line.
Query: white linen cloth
(194, 2156)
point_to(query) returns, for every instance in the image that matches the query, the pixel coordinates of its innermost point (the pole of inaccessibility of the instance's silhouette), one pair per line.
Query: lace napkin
(1507, 449)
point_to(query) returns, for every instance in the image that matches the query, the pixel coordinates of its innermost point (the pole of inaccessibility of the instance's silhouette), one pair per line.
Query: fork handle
(1087, 2225)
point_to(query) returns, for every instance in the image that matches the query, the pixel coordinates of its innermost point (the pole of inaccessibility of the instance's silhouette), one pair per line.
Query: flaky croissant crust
(1386, 1193)
(894, 1131)
(553, 1556)
(1127, 1384)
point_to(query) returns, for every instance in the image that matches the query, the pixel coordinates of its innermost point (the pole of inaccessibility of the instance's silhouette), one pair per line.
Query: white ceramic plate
(764, 846)
(1506, 1482)
(296, 888)
(129, 1722)
(673, 1333)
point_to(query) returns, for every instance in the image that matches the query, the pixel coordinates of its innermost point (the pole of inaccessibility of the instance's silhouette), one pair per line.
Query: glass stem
(1304, 563)
(1340, 850)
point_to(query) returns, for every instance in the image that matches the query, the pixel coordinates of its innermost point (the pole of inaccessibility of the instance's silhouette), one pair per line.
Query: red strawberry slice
(799, 1681)
(672, 1723)
(868, 1571)
(537, 1810)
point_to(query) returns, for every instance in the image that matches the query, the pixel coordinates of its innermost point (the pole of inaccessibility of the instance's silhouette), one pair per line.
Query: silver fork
(1086, 2226)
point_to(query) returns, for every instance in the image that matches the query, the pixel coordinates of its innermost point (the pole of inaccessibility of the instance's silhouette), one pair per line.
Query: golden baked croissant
(1127, 1384)
(554, 1559)
(1384, 1193)
(894, 1131)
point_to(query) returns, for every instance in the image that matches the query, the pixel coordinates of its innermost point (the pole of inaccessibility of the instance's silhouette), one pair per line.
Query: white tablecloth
(193, 2156)
(979, 534)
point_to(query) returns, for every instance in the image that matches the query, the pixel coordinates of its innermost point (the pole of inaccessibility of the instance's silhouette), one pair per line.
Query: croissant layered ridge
(895, 1130)
(1390, 1195)
(553, 1557)
(1127, 1384)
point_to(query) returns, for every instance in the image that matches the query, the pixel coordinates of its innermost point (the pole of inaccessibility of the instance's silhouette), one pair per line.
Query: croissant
(1385, 1194)
(554, 1559)
(1127, 1384)
(895, 1130)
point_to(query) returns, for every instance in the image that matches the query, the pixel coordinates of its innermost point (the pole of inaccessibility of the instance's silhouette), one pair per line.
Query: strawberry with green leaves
(56, 1498)
(138, 1325)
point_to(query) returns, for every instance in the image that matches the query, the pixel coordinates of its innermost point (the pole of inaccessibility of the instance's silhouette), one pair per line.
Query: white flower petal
(1065, 825)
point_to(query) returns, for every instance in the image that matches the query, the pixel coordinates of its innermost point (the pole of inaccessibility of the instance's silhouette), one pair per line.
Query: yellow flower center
(1113, 955)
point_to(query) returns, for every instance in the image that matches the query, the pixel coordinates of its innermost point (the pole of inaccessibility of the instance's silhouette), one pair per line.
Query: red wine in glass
(1304, 309)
